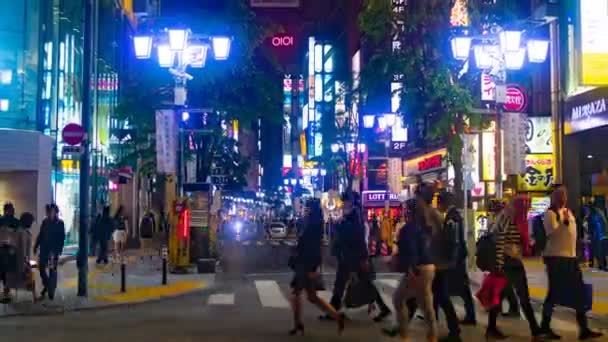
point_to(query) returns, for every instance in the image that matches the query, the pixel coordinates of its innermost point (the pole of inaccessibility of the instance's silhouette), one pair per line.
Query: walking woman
(414, 260)
(563, 270)
(120, 233)
(306, 264)
(508, 261)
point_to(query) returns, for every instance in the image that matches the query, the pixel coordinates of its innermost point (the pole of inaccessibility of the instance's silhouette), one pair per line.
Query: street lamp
(368, 120)
(335, 148)
(508, 54)
(143, 46)
(221, 47)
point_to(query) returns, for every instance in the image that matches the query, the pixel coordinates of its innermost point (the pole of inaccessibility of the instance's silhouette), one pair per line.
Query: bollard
(164, 257)
(123, 276)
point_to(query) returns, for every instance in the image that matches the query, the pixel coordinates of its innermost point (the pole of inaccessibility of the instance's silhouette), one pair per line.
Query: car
(277, 230)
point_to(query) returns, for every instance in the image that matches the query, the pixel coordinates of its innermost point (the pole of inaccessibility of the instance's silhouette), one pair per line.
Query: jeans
(516, 277)
(422, 290)
(342, 277)
(441, 295)
(565, 276)
(102, 256)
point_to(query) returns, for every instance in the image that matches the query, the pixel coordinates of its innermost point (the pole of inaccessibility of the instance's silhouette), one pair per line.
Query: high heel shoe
(298, 329)
(341, 321)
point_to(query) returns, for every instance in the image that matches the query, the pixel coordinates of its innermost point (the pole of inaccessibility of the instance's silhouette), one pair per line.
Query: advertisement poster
(482, 223)
(538, 206)
(488, 156)
(538, 135)
(514, 143)
(470, 159)
(539, 173)
(594, 45)
(166, 141)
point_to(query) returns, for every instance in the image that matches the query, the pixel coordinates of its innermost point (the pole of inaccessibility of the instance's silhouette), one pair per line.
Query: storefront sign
(594, 45)
(378, 199)
(470, 159)
(488, 87)
(538, 175)
(166, 141)
(282, 41)
(586, 111)
(514, 143)
(516, 100)
(488, 156)
(539, 138)
(426, 163)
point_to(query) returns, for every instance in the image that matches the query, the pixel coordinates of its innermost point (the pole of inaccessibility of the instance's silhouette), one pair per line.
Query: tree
(433, 103)
(244, 88)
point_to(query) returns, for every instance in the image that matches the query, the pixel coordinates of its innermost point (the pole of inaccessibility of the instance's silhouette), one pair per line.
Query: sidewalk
(143, 284)
(537, 282)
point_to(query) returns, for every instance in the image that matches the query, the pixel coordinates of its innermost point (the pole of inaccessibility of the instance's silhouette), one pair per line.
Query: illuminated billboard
(594, 45)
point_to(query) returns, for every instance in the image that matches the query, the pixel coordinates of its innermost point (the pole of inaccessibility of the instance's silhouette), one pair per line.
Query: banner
(488, 156)
(538, 175)
(470, 160)
(395, 173)
(594, 45)
(166, 141)
(539, 138)
(514, 143)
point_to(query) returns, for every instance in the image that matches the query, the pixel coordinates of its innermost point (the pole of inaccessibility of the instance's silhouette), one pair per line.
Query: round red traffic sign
(73, 134)
(517, 100)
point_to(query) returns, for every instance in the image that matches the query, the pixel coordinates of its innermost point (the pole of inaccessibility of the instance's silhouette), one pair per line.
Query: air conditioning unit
(275, 3)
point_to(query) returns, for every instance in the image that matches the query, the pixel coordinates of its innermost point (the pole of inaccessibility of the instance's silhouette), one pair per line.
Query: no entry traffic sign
(73, 134)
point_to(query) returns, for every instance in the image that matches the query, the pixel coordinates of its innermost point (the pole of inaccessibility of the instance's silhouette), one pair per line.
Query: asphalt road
(248, 303)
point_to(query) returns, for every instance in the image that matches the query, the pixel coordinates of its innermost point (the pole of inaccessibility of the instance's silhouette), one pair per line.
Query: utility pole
(84, 194)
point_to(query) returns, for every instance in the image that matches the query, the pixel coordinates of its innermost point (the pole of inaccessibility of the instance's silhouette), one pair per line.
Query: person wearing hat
(49, 244)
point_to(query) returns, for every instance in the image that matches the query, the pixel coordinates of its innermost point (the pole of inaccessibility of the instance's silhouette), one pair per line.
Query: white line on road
(221, 299)
(270, 294)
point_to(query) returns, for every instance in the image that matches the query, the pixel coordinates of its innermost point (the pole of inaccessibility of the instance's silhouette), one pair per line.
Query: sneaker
(382, 315)
(589, 334)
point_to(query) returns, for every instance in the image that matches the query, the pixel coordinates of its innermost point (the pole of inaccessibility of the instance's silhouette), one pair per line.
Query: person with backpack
(445, 249)
(414, 261)
(509, 263)
(459, 277)
(563, 271)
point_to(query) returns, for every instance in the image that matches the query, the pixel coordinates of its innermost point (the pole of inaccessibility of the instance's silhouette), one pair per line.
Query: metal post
(123, 275)
(293, 121)
(498, 158)
(82, 262)
(555, 100)
(164, 258)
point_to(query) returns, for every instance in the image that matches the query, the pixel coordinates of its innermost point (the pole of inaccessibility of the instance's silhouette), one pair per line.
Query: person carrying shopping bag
(563, 271)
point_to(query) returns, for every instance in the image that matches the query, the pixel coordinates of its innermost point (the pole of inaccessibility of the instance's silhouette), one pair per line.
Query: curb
(109, 306)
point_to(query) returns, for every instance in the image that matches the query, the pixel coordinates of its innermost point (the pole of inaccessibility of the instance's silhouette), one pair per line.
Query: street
(248, 303)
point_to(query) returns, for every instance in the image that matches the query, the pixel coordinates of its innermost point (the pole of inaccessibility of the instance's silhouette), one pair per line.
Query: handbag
(489, 295)
(359, 292)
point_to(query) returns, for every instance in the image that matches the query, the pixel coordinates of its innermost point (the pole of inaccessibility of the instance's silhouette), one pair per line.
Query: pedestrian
(9, 219)
(120, 231)
(102, 233)
(458, 275)
(414, 261)
(306, 264)
(508, 261)
(563, 271)
(350, 250)
(445, 249)
(49, 246)
(597, 225)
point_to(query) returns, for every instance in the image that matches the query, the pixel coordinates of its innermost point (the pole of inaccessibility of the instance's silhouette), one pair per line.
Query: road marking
(221, 299)
(393, 283)
(270, 294)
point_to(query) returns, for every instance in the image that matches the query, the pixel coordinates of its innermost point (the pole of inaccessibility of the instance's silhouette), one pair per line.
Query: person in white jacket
(563, 271)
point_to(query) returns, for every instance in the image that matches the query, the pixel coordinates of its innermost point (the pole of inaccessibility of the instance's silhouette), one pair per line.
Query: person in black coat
(9, 219)
(305, 263)
(102, 233)
(49, 244)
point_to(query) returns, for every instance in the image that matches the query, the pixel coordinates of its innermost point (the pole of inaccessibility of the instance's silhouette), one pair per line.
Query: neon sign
(282, 41)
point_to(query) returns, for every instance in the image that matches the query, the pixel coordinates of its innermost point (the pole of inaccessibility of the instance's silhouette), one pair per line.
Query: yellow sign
(488, 156)
(539, 173)
(303, 144)
(594, 46)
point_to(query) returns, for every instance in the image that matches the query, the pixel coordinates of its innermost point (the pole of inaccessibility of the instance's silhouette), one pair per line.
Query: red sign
(282, 41)
(517, 100)
(429, 163)
(73, 134)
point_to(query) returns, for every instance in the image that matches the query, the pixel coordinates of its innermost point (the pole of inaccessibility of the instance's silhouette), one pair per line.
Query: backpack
(485, 256)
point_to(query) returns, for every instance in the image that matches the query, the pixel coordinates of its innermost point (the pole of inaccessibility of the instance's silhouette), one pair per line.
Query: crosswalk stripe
(221, 299)
(389, 282)
(270, 294)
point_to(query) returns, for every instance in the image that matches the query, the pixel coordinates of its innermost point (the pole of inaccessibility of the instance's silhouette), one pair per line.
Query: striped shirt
(508, 240)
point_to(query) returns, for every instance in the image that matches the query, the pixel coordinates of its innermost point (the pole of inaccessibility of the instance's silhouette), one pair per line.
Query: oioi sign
(282, 41)
(516, 99)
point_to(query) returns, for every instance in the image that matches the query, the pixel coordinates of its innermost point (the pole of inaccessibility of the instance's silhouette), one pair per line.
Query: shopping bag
(358, 293)
(490, 292)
